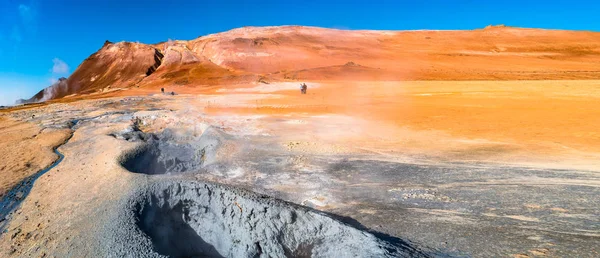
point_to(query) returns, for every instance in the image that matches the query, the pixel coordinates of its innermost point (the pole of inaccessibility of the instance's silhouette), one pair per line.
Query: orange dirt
(519, 120)
(25, 150)
(251, 54)
(462, 85)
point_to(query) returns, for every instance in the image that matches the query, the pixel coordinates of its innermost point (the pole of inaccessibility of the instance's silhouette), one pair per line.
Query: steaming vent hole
(167, 154)
(195, 219)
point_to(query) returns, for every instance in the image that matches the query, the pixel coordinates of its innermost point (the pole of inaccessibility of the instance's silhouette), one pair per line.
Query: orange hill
(250, 54)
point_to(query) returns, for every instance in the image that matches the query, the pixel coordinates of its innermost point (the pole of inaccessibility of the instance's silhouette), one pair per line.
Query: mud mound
(167, 153)
(194, 219)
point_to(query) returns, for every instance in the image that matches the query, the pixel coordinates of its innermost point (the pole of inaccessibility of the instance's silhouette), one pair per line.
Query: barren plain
(455, 160)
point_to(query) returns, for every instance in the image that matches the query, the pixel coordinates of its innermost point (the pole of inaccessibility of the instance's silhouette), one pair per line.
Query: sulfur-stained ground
(458, 168)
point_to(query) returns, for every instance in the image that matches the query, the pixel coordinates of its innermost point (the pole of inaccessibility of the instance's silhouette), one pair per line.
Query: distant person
(303, 88)
(162, 90)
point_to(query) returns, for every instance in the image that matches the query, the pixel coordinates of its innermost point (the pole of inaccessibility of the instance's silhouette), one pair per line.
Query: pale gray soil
(178, 183)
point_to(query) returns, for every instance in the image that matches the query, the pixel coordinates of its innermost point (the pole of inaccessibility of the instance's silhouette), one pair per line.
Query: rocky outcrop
(115, 65)
(158, 57)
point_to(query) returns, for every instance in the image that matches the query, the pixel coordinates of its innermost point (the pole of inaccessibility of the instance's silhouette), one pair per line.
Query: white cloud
(19, 26)
(28, 16)
(60, 67)
(25, 11)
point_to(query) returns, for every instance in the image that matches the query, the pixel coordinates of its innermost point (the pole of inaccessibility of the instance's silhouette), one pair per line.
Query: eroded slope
(298, 53)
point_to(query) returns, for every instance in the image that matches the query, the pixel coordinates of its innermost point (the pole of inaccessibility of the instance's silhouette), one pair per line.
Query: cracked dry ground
(153, 176)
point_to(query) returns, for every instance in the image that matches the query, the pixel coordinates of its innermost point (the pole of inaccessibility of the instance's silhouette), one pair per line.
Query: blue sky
(42, 40)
